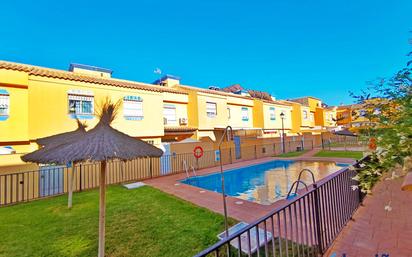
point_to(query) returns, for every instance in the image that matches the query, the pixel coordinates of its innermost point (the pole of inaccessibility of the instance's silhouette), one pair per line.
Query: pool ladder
(186, 167)
(299, 181)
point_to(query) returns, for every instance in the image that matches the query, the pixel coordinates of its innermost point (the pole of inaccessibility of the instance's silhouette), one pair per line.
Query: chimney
(168, 81)
(90, 70)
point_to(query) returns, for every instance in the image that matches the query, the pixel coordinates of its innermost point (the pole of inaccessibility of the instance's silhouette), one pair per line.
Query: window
(305, 115)
(228, 113)
(211, 109)
(272, 113)
(362, 113)
(81, 103)
(4, 104)
(169, 114)
(312, 116)
(133, 108)
(245, 114)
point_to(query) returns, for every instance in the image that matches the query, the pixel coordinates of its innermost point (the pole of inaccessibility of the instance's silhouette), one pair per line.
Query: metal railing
(305, 226)
(53, 180)
(344, 143)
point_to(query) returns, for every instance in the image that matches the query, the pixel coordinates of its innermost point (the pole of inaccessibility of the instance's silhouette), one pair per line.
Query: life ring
(198, 152)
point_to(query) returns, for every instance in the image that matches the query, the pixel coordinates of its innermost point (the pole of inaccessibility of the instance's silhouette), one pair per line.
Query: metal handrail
(300, 175)
(297, 186)
(193, 170)
(186, 168)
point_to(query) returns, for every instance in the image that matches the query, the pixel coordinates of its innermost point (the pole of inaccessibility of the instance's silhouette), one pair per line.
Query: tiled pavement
(375, 230)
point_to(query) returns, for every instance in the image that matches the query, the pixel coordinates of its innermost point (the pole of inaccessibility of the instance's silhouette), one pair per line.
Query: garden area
(340, 154)
(139, 222)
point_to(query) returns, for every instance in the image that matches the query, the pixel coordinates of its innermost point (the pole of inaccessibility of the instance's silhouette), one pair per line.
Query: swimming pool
(264, 183)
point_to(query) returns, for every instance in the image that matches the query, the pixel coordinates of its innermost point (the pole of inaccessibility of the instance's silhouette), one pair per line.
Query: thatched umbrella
(102, 143)
(65, 138)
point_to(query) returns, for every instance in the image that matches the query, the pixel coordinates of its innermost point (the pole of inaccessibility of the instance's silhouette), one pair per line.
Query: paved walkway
(375, 230)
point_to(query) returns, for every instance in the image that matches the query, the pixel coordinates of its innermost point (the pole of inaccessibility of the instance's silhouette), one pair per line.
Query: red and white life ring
(198, 152)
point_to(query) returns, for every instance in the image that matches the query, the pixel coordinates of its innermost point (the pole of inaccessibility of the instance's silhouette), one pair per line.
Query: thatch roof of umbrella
(103, 142)
(345, 132)
(63, 138)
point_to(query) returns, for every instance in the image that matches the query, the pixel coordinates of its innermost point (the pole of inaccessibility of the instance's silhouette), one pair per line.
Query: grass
(291, 154)
(340, 154)
(139, 222)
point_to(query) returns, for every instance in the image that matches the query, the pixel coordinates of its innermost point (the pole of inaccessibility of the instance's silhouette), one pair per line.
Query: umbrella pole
(102, 208)
(71, 182)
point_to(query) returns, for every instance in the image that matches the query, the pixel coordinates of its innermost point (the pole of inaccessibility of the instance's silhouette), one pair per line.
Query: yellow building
(330, 117)
(316, 113)
(300, 117)
(269, 115)
(353, 116)
(38, 102)
(210, 111)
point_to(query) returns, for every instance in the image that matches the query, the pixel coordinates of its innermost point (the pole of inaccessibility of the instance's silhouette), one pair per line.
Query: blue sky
(288, 48)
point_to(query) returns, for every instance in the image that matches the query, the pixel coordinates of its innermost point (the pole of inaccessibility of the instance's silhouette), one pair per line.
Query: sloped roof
(214, 92)
(260, 95)
(67, 75)
(233, 88)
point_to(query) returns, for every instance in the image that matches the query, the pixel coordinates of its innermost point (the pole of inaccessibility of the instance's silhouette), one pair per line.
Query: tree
(387, 104)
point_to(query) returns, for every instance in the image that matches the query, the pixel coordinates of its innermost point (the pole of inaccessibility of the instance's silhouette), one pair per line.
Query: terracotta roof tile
(214, 92)
(67, 75)
(179, 129)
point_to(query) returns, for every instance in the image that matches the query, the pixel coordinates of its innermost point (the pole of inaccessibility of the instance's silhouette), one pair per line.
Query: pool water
(264, 183)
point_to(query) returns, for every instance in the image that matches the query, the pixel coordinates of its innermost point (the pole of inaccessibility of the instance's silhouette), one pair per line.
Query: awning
(7, 150)
(177, 129)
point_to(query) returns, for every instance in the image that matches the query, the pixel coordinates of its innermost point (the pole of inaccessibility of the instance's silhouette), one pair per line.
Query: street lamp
(282, 117)
(229, 138)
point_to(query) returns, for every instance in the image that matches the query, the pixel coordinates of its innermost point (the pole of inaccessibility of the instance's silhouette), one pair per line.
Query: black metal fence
(344, 143)
(54, 180)
(306, 226)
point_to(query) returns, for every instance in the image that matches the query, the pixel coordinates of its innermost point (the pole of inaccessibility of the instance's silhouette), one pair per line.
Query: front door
(165, 160)
(51, 180)
(238, 151)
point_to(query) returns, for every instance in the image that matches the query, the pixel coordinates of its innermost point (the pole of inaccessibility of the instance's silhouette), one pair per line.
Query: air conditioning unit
(183, 121)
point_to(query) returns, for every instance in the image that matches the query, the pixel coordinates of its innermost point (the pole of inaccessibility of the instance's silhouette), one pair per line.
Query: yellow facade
(330, 117)
(45, 121)
(41, 104)
(317, 114)
(352, 116)
(229, 110)
(39, 107)
(306, 120)
(267, 116)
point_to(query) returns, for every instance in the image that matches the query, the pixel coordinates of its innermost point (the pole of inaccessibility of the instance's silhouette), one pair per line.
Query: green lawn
(291, 154)
(139, 222)
(340, 154)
